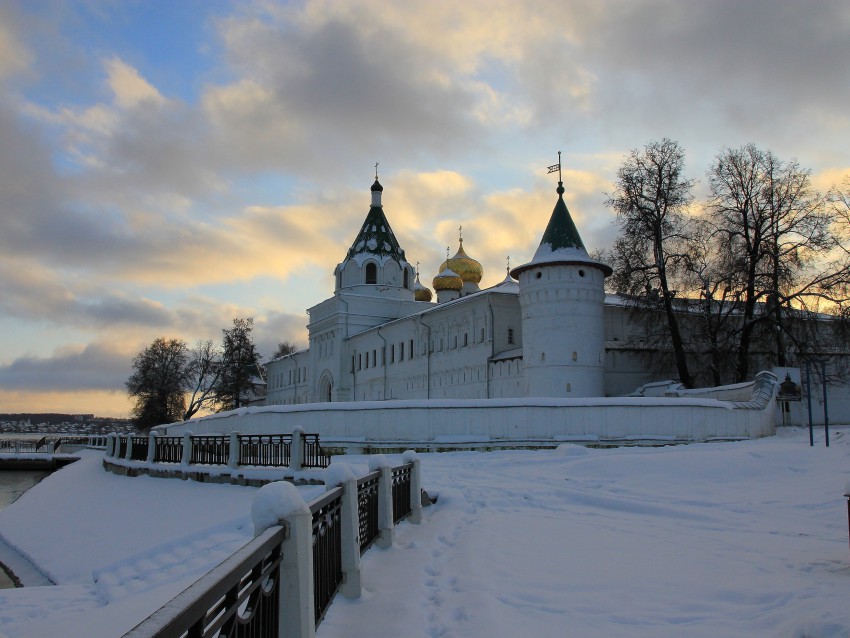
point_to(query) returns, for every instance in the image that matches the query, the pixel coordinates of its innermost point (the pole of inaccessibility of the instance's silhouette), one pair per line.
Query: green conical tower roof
(561, 243)
(561, 232)
(376, 237)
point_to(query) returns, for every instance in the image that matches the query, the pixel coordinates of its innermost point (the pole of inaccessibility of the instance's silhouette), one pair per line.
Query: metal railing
(252, 450)
(265, 450)
(314, 456)
(239, 598)
(327, 550)
(401, 492)
(261, 591)
(210, 450)
(168, 449)
(50, 444)
(367, 506)
(140, 448)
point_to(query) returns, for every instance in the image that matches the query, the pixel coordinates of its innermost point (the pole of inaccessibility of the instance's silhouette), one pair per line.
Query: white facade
(554, 333)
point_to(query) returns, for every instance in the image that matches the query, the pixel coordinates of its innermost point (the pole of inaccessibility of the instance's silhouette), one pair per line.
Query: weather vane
(556, 167)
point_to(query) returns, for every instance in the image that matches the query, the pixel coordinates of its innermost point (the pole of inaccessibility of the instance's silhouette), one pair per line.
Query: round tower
(562, 296)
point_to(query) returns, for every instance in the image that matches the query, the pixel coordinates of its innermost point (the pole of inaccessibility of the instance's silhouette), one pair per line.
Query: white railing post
(415, 487)
(342, 474)
(296, 449)
(385, 499)
(233, 457)
(151, 446)
(278, 503)
(128, 454)
(110, 444)
(186, 459)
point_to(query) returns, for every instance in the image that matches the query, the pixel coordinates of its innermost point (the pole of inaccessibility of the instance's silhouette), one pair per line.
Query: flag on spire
(556, 168)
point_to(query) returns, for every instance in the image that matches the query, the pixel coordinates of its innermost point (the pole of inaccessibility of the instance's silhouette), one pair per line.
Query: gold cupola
(469, 269)
(420, 292)
(447, 280)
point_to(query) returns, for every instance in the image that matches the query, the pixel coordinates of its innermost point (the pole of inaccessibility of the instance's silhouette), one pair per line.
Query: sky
(168, 166)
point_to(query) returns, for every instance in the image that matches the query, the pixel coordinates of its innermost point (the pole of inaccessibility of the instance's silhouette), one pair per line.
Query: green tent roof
(561, 231)
(376, 236)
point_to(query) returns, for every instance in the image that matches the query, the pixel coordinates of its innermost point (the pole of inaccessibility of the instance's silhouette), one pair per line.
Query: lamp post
(825, 403)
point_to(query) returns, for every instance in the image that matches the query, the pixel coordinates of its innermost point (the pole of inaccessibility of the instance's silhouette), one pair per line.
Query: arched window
(371, 273)
(406, 279)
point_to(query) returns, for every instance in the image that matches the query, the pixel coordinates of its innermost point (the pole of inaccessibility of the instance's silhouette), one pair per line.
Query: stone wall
(538, 419)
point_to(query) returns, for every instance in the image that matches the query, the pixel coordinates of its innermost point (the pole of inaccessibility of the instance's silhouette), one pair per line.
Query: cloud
(30, 291)
(276, 327)
(14, 55)
(96, 366)
(130, 88)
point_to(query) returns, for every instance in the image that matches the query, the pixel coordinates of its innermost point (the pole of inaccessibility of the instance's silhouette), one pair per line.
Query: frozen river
(13, 483)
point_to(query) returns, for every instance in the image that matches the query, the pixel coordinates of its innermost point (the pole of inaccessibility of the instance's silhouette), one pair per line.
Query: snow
(273, 502)
(337, 474)
(746, 538)
(378, 462)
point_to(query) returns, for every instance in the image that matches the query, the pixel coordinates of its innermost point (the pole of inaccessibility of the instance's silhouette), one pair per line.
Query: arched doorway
(326, 388)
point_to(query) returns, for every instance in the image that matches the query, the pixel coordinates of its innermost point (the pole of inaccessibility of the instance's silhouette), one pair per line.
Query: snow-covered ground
(722, 539)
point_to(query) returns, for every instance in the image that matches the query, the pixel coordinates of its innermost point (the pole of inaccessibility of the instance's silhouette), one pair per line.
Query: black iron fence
(314, 456)
(401, 491)
(265, 450)
(367, 506)
(239, 598)
(168, 449)
(261, 590)
(253, 450)
(327, 550)
(140, 448)
(210, 450)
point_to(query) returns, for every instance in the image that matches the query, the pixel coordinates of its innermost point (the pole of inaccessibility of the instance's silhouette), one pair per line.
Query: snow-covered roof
(515, 353)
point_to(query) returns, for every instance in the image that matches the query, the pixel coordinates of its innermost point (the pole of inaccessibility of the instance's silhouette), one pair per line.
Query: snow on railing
(282, 582)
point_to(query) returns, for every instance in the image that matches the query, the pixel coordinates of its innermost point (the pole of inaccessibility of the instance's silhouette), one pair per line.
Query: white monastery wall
(433, 421)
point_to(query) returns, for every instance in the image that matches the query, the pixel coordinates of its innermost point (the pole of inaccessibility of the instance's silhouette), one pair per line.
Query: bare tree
(284, 348)
(650, 200)
(203, 373)
(776, 239)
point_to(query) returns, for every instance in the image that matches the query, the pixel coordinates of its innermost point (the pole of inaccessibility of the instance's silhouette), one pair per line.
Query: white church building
(547, 330)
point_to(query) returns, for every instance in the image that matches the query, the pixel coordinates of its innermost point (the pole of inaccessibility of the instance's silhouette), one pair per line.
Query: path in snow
(703, 540)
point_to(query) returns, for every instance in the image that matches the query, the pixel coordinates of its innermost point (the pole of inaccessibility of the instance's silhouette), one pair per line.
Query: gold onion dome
(420, 292)
(468, 269)
(447, 280)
